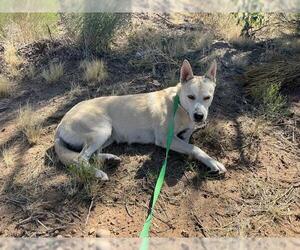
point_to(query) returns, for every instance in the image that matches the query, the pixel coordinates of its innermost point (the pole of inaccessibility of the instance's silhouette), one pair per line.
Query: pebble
(185, 234)
(102, 233)
(92, 231)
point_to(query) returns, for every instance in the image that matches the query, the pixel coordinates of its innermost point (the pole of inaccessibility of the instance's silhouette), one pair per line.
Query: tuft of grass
(265, 82)
(12, 59)
(75, 90)
(85, 175)
(273, 103)
(82, 173)
(94, 71)
(53, 73)
(31, 71)
(29, 123)
(6, 87)
(8, 156)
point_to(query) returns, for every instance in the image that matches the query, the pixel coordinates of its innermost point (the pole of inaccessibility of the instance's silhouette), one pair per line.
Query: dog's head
(197, 92)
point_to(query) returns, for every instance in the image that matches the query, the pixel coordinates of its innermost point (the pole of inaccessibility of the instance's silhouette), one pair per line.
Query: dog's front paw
(216, 168)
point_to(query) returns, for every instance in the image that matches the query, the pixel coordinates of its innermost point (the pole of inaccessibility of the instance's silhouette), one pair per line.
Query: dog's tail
(65, 155)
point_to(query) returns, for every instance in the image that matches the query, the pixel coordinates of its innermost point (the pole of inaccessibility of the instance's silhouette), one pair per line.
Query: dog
(92, 125)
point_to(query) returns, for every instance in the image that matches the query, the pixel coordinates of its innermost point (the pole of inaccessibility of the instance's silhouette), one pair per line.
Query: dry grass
(12, 59)
(154, 47)
(94, 71)
(172, 77)
(212, 136)
(6, 87)
(25, 28)
(31, 71)
(264, 83)
(8, 156)
(224, 25)
(53, 73)
(242, 42)
(29, 123)
(75, 90)
(270, 201)
(85, 175)
(11, 56)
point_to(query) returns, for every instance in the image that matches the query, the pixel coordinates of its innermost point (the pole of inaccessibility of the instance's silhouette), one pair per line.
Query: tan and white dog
(94, 124)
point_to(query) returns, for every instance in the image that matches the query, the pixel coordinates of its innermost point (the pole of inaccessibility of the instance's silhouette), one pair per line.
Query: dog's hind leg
(94, 141)
(107, 158)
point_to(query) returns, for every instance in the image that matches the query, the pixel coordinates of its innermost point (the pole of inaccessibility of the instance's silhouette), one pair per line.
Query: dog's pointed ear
(186, 72)
(212, 71)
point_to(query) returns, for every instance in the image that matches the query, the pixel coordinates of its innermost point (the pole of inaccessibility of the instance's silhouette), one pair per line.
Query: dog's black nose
(198, 117)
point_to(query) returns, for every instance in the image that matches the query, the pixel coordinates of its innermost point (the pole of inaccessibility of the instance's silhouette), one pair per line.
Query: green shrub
(270, 100)
(249, 21)
(93, 31)
(265, 82)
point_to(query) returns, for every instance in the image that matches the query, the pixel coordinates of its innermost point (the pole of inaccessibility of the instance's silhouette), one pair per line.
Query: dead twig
(32, 218)
(200, 225)
(127, 210)
(76, 215)
(89, 212)
(160, 219)
(52, 230)
(25, 221)
(38, 221)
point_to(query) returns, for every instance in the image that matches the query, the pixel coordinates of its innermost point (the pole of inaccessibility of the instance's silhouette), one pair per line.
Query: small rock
(74, 231)
(102, 233)
(56, 232)
(185, 234)
(156, 83)
(59, 236)
(92, 231)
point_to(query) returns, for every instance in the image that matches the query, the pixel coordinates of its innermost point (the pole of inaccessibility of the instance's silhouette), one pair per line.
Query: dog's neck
(181, 108)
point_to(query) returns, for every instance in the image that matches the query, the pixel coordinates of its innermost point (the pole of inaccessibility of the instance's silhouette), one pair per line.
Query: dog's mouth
(200, 125)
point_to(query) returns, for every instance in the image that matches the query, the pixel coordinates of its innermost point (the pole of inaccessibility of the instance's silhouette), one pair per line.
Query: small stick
(127, 210)
(25, 221)
(76, 215)
(160, 219)
(89, 212)
(199, 222)
(38, 221)
(54, 229)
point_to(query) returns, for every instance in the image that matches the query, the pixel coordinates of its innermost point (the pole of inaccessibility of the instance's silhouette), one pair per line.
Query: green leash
(159, 183)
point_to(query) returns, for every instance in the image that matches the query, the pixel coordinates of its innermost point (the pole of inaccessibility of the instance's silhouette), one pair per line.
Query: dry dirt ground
(259, 196)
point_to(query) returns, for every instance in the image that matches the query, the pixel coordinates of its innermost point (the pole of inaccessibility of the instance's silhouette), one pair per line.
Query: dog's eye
(192, 97)
(206, 98)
